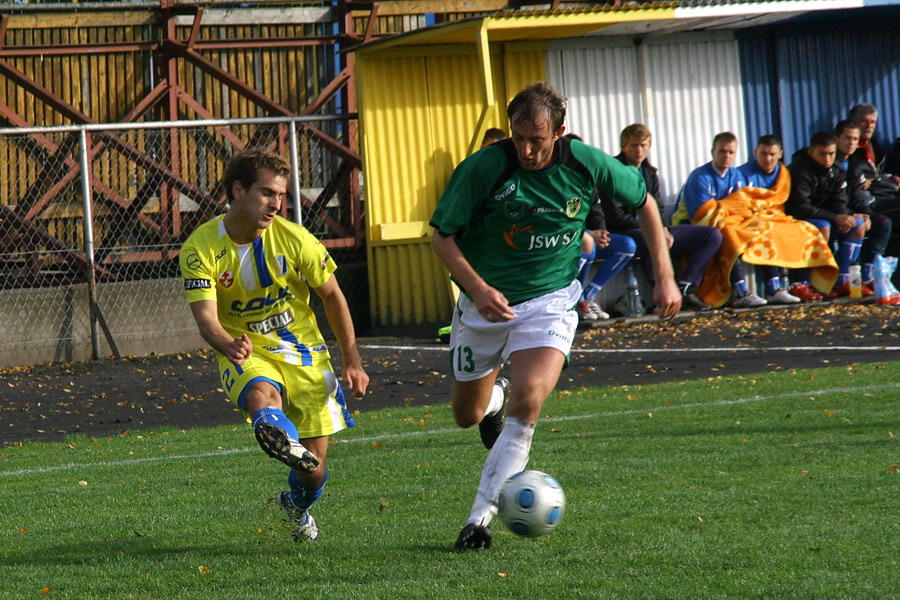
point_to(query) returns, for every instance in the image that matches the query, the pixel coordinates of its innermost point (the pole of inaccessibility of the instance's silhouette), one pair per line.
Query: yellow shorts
(311, 396)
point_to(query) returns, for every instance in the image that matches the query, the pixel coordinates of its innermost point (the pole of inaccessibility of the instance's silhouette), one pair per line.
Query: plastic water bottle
(855, 282)
(633, 305)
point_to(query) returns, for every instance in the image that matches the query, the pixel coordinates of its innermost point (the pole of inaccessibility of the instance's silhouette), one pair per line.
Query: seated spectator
(492, 135)
(819, 194)
(861, 200)
(597, 243)
(698, 244)
(768, 220)
(710, 183)
(891, 208)
(871, 156)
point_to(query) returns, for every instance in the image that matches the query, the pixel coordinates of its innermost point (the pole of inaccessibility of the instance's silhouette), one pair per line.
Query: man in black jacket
(697, 243)
(861, 200)
(820, 195)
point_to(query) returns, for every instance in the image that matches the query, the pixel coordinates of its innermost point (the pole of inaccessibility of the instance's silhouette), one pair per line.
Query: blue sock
(773, 284)
(302, 495)
(740, 288)
(867, 274)
(275, 416)
(847, 253)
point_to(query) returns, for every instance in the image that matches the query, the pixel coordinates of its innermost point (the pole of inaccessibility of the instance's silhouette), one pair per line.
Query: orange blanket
(755, 227)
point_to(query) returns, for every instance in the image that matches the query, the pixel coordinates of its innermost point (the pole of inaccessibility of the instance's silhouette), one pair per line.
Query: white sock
(496, 402)
(508, 456)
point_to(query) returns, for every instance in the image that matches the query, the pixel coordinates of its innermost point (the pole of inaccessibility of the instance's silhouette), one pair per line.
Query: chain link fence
(89, 264)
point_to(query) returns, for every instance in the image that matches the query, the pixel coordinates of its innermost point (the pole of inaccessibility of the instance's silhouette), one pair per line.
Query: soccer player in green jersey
(512, 245)
(247, 276)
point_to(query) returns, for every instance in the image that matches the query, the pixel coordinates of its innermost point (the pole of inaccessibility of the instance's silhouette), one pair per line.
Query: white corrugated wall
(686, 88)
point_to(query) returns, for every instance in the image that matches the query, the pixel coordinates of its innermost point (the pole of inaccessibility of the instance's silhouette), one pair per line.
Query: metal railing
(92, 218)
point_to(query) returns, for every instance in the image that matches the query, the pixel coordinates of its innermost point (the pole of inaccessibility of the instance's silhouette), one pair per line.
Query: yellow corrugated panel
(524, 64)
(419, 112)
(408, 285)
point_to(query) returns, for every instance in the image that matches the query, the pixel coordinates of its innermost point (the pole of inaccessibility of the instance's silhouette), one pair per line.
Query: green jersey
(521, 230)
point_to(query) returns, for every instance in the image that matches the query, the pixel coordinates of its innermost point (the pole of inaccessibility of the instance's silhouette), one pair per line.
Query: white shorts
(478, 346)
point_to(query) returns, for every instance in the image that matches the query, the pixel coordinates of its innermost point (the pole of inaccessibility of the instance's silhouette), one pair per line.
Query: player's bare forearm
(338, 314)
(236, 350)
(489, 301)
(666, 295)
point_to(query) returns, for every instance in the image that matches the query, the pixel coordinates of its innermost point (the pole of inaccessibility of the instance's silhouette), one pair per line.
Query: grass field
(778, 486)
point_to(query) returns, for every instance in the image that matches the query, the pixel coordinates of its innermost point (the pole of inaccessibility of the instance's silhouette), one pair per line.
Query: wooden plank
(421, 7)
(53, 20)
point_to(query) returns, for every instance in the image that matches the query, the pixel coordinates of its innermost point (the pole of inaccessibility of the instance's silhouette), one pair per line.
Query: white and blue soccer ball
(531, 503)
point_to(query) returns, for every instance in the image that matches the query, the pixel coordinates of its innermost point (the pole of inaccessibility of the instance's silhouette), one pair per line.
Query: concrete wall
(42, 325)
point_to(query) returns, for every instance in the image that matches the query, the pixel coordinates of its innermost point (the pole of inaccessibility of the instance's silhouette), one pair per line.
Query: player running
(247, 276)
(512, 245)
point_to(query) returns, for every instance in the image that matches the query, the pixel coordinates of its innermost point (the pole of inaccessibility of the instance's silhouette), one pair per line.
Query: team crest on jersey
(572, 207)
(226, 278)
(514, 210)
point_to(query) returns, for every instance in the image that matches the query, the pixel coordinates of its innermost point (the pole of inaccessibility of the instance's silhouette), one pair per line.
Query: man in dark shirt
(696, 243)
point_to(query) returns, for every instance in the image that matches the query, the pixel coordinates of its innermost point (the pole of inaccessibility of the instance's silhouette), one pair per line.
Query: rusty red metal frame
(170, 95)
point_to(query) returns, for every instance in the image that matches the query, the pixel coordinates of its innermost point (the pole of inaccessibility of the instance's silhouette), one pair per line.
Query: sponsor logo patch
(274, 322)
(197, 284)
(193, 261)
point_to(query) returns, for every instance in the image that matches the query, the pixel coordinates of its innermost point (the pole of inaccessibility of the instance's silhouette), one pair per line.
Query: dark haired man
(820, 194)
(247, 276)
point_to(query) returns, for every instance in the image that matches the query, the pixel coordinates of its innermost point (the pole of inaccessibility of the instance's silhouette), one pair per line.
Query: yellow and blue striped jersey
(261, 288)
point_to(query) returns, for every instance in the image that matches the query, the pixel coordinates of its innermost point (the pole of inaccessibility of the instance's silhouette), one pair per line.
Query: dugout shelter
(686, 69)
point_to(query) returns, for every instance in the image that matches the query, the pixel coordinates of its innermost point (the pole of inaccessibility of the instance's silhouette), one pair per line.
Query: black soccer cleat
(490, 427)
(473, 537)
(278, 444)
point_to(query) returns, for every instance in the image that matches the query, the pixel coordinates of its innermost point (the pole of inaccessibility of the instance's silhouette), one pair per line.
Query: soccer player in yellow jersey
(247, 276)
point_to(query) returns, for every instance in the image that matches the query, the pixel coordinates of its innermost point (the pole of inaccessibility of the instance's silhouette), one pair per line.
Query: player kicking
(512, 245)
(247, 276)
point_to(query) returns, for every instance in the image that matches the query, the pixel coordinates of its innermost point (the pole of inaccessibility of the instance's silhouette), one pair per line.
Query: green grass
(775, 486)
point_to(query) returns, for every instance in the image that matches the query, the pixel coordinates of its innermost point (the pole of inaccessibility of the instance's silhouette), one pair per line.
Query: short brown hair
(639, 131)
(726, 137)
(246, 165)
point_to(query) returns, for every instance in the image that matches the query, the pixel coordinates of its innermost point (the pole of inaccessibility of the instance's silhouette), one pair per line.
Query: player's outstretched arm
(666, 295)
(206, 314)
(338, 314)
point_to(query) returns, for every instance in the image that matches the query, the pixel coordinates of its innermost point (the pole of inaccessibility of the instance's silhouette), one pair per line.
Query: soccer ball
(531, 503)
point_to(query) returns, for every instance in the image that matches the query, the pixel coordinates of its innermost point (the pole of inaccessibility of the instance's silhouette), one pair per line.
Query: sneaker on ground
(278, 444)
(304, 525)
(691, 301)
(805, 292)
(491, 426)
(473, 537)
(782, 296)
(748, 300)
(595, 308)
(584, 312)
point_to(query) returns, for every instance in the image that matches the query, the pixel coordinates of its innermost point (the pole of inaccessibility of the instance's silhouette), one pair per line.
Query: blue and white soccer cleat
(304, 525)
(278, 444)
